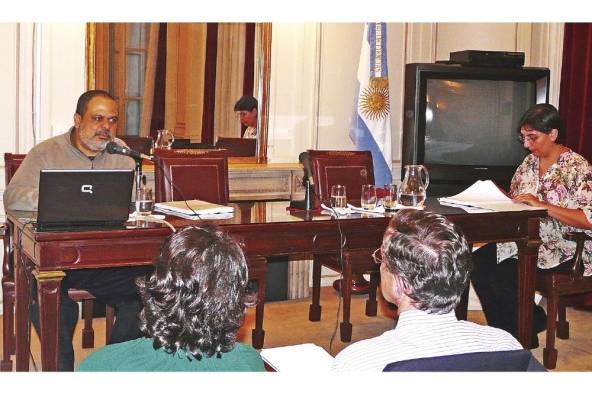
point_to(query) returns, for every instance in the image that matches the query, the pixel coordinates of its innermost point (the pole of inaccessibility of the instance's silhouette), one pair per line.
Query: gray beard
(96, 146)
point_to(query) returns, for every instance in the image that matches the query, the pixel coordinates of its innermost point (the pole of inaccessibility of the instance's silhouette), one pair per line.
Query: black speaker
(488, 58)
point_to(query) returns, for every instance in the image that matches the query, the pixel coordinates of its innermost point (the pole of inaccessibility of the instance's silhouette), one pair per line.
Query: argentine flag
(371, 126)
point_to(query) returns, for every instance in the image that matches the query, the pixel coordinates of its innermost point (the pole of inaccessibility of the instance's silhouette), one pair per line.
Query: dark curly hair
(430, 254)
(195, 299)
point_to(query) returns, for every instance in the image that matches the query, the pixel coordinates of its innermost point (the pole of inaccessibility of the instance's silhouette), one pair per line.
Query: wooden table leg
(257, 270)
(48, 295)
(245, 211)
(21, 309)
(345, 326)
(527, 261)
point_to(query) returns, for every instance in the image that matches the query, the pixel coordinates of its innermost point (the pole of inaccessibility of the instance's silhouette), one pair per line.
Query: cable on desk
(342, 241)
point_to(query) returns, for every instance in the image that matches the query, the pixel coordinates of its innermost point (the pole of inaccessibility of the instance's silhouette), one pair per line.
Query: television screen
(473, 122)
(461, 121)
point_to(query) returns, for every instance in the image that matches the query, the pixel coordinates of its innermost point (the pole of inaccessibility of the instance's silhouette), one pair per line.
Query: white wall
(294, 80)
(42, 73)
(314, 73)
(8, 86)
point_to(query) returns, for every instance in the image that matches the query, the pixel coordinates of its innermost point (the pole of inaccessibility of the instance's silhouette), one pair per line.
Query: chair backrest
(185, 143)
(185, 176)
(509, 360)
(11, 164)
(238, 147)
(350, 168)
(139, 144)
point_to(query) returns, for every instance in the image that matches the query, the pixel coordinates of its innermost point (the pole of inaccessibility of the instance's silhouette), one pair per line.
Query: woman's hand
(570, 217)
(529, 199)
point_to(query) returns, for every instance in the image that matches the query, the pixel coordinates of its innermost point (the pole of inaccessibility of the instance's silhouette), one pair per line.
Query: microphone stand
(138, 175)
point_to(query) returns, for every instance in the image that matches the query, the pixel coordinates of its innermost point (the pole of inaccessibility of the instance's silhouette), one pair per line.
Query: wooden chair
(501, 361)
(11, 164)
(139, 144)
(352, 169)
(556, 285)
(202, 176)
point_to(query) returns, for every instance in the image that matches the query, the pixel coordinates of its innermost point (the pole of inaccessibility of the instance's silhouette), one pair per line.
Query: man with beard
(82, 147)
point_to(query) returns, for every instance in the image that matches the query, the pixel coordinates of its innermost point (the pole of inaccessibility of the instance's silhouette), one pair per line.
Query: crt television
(461, 121)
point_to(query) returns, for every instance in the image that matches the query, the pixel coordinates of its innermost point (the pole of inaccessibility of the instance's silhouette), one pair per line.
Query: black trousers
(113, 286)
(496, 286)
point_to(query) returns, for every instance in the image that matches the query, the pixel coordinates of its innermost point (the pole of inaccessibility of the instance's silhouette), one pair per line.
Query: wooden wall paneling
(172, 66)
(194, 38)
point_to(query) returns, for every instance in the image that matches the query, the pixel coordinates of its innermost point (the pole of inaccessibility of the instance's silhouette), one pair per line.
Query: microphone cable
(175, 188)
(342, 241)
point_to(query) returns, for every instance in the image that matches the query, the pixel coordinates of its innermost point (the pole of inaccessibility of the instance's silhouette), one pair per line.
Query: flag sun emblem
(374, 101)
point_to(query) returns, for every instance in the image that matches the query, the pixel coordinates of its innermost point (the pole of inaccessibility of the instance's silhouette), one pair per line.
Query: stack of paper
(485, 195)
(307, 357)
(195, 209)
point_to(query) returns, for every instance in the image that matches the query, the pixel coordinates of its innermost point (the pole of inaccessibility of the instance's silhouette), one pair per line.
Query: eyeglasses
(241, 113)
(528, 137)
(377, 256)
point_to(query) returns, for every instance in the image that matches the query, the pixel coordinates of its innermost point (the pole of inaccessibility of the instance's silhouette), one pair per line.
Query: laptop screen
(78, 198)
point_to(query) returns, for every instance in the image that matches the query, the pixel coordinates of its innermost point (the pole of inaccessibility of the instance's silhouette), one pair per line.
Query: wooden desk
(47, 255)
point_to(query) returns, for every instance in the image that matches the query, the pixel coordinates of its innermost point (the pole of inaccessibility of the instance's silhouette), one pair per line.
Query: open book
(193, 208)
(486, 195)
(306, 357)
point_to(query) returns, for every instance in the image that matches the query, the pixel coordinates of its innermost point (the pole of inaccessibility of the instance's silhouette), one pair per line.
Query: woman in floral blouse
(552, 177)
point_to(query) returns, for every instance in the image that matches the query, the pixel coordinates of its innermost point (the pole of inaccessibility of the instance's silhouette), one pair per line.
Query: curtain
(231, 60)
(150, 76)
(575, 99)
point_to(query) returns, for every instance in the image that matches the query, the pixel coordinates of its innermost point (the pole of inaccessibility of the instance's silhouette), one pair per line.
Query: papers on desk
(195, 209)
(486, 197)
(306, 357)
(378, 211)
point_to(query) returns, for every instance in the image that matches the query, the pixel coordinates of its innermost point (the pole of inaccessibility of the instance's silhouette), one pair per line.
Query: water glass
(164, 139)
(368, 199)
(338, 196)
(144, 201)
(389, 200)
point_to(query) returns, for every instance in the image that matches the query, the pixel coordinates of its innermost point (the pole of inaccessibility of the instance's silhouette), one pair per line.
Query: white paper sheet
(306, 357)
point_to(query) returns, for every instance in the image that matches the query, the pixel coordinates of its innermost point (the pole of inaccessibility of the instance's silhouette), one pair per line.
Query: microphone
(114, 148)
(304, 158)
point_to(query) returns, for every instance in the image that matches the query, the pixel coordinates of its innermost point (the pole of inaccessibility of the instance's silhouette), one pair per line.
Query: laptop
(83, 199)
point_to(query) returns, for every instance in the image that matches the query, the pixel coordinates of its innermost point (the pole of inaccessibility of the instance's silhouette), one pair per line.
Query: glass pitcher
(412, 192)
(164, 139)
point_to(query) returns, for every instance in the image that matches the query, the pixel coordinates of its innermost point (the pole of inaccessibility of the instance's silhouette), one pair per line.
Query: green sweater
(138, 355)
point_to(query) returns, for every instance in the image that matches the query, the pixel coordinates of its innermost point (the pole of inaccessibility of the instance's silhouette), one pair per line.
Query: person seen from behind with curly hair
(194, 304)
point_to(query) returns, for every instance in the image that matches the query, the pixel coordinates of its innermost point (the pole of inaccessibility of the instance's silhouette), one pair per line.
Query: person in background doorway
(246, 109)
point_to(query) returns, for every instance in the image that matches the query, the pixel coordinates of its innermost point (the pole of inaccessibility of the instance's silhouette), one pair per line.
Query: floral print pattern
(567, 184)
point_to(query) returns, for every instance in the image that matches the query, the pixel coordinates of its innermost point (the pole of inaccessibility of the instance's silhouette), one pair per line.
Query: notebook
(78, 199)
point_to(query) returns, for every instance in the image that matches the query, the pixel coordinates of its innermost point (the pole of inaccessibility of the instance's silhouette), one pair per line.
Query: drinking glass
(144, 201)
(164, 139)
(389, 200)
(338, 196)
(368, 199)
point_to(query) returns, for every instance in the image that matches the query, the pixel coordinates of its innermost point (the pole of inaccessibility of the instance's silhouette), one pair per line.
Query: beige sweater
(55, 153)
